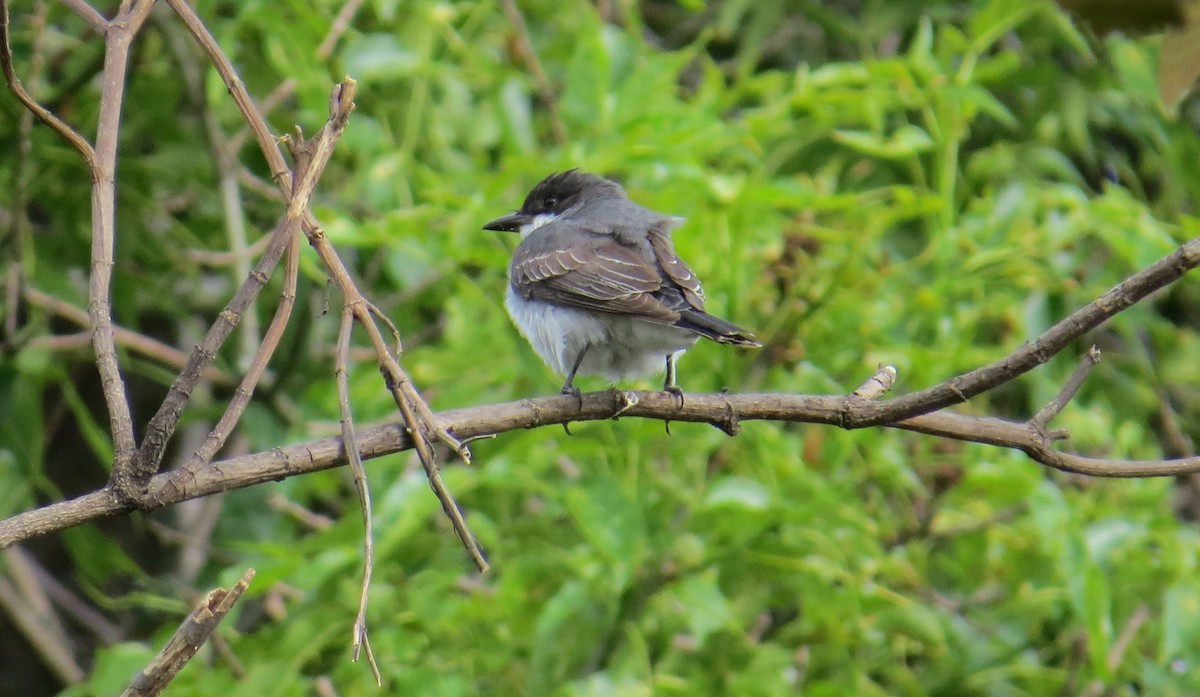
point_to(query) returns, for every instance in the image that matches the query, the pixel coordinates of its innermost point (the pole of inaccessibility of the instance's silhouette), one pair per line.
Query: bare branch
(237, 89)
(14, 84)
(1032, 354)
(1067, 393)
(416, 412)
(77, 608)
(25, 602)
(94, 19)
(129, 478)
(187, 640)
(104, 169)
(878, 384)
(339, 26)
(286, 88)
(717, 409)
(139, 343)
(528, 55)
(270, 341)
(359, 640)
(162, 425)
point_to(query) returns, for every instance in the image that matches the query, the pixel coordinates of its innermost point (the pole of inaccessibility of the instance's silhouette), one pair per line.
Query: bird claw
(574, 391)
(675, 390)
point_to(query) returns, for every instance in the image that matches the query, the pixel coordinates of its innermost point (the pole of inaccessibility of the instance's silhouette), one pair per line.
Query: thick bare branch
(474, 422)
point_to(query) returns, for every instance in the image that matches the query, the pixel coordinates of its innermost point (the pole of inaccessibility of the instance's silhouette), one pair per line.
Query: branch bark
(725, 411)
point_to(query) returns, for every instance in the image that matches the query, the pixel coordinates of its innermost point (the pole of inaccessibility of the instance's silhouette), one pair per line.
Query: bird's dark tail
(717, 329)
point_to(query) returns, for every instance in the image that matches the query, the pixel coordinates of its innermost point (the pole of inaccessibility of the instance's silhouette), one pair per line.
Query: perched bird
(596, 287)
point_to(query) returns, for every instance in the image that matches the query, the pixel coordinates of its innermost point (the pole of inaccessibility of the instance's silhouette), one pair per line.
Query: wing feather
(610, 277)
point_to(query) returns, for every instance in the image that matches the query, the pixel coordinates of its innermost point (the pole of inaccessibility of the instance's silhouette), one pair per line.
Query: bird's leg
(569, 386)
(669, 384)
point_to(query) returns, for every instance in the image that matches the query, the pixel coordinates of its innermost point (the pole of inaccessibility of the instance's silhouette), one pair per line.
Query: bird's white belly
(617, 347)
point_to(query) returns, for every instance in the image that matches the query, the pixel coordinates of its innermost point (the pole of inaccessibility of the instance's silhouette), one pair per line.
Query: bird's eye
(549, 202)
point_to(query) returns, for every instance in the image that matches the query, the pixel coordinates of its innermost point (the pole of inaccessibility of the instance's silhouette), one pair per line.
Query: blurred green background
(921, 184)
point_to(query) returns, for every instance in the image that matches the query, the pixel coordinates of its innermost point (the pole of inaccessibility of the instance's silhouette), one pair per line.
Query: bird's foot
(574, 391)
(675, 390)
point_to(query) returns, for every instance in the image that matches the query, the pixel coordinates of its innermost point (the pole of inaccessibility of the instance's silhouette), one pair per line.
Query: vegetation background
(921, 184)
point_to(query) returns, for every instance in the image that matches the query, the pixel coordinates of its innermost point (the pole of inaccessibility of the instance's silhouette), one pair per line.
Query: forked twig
(416, 412)
(245, 389)
(163, 423)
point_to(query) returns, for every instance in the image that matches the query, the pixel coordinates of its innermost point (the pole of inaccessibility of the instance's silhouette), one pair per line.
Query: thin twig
(337, 28)
(221, 648)
(52, 650)
(878, 384)
(208, 258)
(94, 19)
(75, 607)
(29, 606)
(359, 640)
(1125, 638)
(22, 175)
(14, 84)
(307, 518)
(228, 170)
(1034, 353)
(418, 417)
(529, 56)
(1068, 391)
(126, 338)
(187, 640)
(118, 39)
(270, 341)
(130, 482)
(163, 423)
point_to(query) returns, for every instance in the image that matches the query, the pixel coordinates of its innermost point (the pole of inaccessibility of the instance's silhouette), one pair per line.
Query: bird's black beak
(509, 223)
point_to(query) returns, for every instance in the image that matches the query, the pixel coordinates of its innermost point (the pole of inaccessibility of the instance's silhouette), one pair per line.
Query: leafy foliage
(862, 185)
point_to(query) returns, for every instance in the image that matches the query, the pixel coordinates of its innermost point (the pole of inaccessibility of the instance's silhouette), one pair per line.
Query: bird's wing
(608, 278)
(677, 270)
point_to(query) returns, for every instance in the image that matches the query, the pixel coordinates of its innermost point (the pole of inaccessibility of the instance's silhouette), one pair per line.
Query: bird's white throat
(538, 221)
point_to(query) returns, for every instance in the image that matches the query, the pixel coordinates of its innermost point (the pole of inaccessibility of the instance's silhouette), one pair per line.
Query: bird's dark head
(555, 195)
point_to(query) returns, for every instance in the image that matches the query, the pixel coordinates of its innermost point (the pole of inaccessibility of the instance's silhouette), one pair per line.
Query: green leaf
(905, 142)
